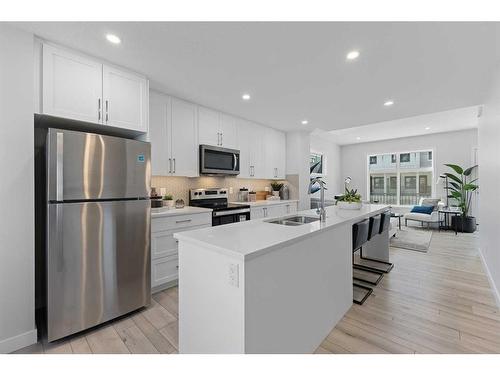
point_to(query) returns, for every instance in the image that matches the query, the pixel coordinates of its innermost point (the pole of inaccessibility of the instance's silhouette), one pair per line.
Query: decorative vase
(276, 193)
(349, 205)
(169, 204)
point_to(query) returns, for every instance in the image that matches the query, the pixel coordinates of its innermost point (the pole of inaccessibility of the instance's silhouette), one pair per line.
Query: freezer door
(98, 263)
(92, 166)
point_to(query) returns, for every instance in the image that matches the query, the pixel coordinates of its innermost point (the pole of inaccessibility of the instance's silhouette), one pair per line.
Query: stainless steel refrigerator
(98, 229)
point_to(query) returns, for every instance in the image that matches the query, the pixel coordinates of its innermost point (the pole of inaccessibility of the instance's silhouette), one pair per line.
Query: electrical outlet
(234, 275)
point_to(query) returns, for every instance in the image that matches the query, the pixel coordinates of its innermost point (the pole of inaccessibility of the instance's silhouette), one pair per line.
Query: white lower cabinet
(275, 210)
(164, 250)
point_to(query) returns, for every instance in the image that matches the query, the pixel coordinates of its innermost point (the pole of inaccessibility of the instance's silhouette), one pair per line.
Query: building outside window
(400, 178)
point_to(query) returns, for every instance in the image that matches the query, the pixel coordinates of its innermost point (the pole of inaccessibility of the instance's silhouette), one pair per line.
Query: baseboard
(490, 279)
(12, 344)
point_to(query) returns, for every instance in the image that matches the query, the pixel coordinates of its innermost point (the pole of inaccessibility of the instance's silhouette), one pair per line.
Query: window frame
(323, 163)
(398, 171)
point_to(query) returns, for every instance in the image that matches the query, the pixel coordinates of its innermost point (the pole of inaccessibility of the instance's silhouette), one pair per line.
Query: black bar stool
(375, 264)
(359, 238)
(362, 272)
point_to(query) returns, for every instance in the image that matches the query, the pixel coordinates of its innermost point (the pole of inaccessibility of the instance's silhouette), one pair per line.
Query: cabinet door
(72, 85)
(291, 208)
(208, 127)
(277, 210)
(280, 155)
(256, 213)
(257, 151)
(275, 146)
(184, 139)
(125, 97)
(228, 131)
(159, 109)
(244, 143)
(164, 270)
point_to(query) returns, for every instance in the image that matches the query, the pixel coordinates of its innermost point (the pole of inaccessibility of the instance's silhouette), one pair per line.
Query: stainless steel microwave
(219, 161)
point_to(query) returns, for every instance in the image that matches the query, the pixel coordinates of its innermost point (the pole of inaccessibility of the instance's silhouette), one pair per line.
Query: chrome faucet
(322, 185)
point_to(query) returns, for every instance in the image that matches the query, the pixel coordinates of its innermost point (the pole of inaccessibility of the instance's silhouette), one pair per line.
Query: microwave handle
(235, 162)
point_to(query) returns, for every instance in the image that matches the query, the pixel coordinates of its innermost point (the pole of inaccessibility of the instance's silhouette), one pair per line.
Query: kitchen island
(262, 287)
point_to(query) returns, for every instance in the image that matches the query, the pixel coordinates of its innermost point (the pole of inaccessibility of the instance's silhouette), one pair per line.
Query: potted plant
(461, 188)
(351, 200)
(169, 200)
(276, 186)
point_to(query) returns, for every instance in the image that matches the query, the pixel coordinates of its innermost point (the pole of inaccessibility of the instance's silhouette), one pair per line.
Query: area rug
(412, 239)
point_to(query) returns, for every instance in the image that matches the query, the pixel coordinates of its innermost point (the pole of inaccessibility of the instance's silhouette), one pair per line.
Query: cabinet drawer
(291, 208)
(181, 221)
(164, 270)
(163, 243)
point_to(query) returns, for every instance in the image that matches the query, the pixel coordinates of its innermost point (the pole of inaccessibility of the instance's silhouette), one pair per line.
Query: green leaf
(455, 185)
(469, 170)
(458, 169)
(470, 187)
(456, 194)
(453, 177)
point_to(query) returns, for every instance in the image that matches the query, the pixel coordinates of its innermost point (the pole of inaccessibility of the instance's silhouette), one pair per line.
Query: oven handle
(232, 212)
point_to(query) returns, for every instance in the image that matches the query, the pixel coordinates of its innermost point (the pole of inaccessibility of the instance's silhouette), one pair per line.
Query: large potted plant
(351, 200)
(461, 188)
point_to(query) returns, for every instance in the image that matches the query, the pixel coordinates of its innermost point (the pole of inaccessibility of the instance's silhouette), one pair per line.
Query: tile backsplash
(179, 186)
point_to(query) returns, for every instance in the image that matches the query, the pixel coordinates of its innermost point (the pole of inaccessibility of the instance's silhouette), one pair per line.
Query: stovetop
(214, 198)
(219, 205)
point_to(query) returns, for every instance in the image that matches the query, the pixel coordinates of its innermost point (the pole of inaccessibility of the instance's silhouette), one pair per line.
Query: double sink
(293, 220)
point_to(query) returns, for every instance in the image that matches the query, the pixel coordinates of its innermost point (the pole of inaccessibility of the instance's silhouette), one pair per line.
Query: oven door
(228, 217)
(219, 161)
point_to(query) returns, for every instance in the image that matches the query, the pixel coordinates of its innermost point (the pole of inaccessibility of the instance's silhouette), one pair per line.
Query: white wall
(331, 167)
(17, 321)
(452, 147)
(489, 162)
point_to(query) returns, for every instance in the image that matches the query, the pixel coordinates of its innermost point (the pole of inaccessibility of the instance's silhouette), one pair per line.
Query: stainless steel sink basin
(293, 220)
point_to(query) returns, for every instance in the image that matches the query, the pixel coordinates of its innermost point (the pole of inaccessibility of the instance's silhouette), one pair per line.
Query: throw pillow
(422, 209)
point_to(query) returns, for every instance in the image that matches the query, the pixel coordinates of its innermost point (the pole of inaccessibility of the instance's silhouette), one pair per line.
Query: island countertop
(249, 239)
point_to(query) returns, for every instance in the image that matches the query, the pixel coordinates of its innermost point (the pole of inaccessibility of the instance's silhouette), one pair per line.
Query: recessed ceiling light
(353, 55)
(113, 39)
(358, 138)
(389, 103)
(304, 122)
(245, 96)
(427, 128)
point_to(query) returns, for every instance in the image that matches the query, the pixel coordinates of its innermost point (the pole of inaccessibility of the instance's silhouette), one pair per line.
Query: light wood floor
(435, 302)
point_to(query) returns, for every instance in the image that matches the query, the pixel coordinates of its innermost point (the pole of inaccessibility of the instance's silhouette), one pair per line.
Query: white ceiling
(453, 120)
(298, 70)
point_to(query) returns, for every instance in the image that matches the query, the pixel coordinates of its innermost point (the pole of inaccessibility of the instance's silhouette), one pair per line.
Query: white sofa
(433, 218)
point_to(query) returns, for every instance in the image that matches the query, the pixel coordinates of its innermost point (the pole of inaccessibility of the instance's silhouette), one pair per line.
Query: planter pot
(349, 205)
(169, 204)
(464, 224)
(276, 193)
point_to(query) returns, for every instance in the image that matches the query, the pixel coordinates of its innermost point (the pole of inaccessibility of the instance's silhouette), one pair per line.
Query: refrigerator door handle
(59, 166)
(60, 247)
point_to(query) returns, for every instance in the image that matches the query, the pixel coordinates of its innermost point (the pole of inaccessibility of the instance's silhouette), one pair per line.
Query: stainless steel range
(217, 200)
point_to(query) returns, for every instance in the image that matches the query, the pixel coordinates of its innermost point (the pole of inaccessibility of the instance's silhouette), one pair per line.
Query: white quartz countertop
(186, 210)
(248, 239)
(267, 202)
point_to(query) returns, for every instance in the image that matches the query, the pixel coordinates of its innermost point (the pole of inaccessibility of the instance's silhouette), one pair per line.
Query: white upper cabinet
(173, 135)
(159, 104)
(275, 151)
(84, 89)
(251, 145)
(228, 131)
(125, 98)
(208, 126)
(217, 129)
(184, 138)
(72, 85)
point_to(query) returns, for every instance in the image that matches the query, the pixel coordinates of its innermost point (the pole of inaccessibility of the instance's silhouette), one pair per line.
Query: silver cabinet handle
(169, 165)
(174, 165)
(59, 166)
(265, 212)
(221, 141)
(99, 109)
(218, 139)
(183, 221)
(107, 107)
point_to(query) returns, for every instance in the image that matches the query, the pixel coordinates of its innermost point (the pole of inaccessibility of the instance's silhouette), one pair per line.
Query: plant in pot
(351, 200)
(169, 200)
(461, 187)
(276, 186)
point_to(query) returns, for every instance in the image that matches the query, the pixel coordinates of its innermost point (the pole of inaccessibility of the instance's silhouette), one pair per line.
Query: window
(404, 158)
(400, 178)
(316, 163)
